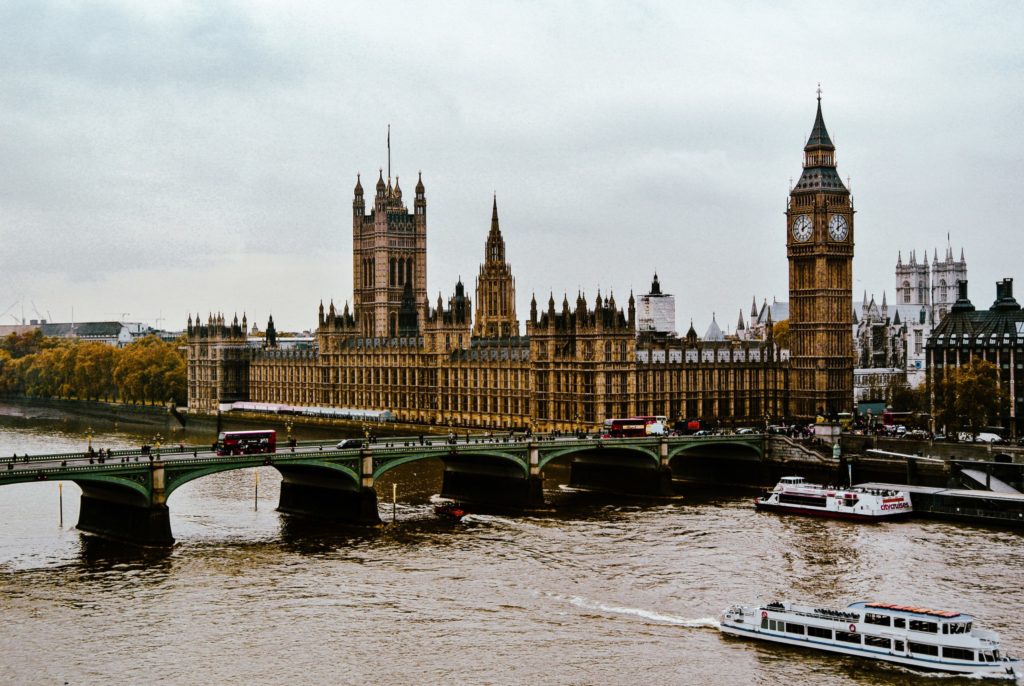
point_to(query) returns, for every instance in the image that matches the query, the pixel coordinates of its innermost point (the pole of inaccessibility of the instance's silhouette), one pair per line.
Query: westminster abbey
(464, 362)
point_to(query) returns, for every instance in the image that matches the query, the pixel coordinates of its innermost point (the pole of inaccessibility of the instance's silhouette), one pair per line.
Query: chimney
(961, 290)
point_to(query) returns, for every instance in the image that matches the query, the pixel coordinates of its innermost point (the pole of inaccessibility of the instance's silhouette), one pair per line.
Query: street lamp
(157, 439)
(89, 434)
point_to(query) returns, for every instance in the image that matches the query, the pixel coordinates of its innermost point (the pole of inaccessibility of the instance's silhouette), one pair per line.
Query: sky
(158, 159)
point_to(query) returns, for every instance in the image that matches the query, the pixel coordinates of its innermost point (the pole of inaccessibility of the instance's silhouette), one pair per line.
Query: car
(745, 431)
(986, 437)
(702, 432)
(350, 443)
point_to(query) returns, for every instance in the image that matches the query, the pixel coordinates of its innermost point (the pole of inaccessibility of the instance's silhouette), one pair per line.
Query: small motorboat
(450, 510)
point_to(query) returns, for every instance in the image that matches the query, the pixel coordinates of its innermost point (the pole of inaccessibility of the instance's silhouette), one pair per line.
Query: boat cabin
(792, 480)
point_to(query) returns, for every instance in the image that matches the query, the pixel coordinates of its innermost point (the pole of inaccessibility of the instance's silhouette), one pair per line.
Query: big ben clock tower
(819, 246)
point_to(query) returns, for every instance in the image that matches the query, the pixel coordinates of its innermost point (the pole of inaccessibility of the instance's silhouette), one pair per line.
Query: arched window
(942, 290)
(391, 280)
(408, 270)
(906, 291)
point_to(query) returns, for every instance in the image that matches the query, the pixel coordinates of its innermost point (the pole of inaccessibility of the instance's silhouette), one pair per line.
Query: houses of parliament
(465, 362)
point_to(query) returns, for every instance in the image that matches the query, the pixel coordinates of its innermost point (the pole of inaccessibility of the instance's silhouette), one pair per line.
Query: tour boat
(793, 494)
(450, 510)
(934, 640)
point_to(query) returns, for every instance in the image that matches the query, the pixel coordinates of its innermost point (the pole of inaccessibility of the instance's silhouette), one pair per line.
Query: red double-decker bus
(246, 442)
(625, 428)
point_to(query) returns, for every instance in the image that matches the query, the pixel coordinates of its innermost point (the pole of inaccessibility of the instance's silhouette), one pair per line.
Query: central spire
(494, 216)
(819, 139)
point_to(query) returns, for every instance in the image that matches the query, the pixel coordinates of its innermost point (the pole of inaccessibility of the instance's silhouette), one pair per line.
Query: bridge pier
(609, 472)
(494, 484)
(122, 514)
(328, 495)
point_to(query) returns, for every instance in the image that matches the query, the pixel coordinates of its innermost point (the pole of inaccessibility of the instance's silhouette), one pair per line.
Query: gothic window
(942, 290)
(400, 281)
(391, 279)
(408, 270)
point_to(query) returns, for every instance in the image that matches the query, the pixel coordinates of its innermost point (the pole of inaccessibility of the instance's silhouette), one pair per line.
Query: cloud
(211, 143)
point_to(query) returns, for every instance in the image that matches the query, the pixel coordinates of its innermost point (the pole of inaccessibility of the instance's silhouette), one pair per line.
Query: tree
(968, 398)
(150, 370)
(902, 398)
(780, 331)
(94, 369)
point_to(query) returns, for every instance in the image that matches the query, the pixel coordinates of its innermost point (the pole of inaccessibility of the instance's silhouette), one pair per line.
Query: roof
(714, 332)
(83, 329)
(819, 134)
(908, 609)
(820, 178)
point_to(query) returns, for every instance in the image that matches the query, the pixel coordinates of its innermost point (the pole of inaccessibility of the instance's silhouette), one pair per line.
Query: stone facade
(576, 365)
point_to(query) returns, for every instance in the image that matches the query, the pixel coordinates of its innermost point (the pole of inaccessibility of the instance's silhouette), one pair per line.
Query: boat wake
(699, 623)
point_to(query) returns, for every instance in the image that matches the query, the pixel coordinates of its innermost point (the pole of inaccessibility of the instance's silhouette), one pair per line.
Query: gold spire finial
(819, 91)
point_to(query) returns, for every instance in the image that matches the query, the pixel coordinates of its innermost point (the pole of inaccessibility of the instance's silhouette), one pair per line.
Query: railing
(175, 455)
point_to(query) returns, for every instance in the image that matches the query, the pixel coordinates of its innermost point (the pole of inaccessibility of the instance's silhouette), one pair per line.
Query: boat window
(958, 653)
(899, 622)
(987, 657)
(765, 622)
(921, 625)
(880, 620)
(818, 632)
(923, 648)
(793, 499)
(877, 641)
(898, 646)
(794, 628)
(847, 637)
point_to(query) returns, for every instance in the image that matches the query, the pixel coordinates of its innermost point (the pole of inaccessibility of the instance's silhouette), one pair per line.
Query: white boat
(793, 494)
(934, 640)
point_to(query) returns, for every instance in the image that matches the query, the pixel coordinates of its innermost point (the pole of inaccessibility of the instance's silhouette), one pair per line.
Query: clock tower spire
(819, 246)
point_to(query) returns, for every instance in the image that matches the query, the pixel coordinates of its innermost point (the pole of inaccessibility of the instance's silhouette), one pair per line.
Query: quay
(962, 504)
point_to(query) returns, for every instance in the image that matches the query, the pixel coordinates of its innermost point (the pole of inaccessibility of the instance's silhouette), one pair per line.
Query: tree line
(147, 370)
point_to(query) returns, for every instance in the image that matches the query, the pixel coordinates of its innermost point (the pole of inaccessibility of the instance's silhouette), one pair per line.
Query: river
(596, 589)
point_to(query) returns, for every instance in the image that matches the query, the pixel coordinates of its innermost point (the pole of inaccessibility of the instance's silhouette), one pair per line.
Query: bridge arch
(177, 479)
(742, 449)
(546, 457)
(385, 464)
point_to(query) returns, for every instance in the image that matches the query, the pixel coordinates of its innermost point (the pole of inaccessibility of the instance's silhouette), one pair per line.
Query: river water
(594, 590)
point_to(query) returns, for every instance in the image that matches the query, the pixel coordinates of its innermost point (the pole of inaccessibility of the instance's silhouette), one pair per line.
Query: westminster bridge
(125, 493)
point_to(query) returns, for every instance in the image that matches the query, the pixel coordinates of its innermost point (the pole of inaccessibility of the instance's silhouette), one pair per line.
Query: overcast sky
(158, 159)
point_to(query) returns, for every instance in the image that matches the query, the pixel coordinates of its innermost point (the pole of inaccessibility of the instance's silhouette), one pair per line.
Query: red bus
(625, 428)
(246, 442)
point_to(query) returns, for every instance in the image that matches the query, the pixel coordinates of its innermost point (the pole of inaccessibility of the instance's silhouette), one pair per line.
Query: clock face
(838, 229)
(802, 228)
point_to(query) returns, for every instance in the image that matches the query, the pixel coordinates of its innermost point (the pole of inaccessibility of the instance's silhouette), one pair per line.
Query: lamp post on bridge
(291, 441)
(88, 435)
(156, 441)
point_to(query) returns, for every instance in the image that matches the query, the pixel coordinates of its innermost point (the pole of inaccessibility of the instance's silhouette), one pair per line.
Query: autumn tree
(150, 370)
(780, 331)
(94, 371)
(968, 398)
